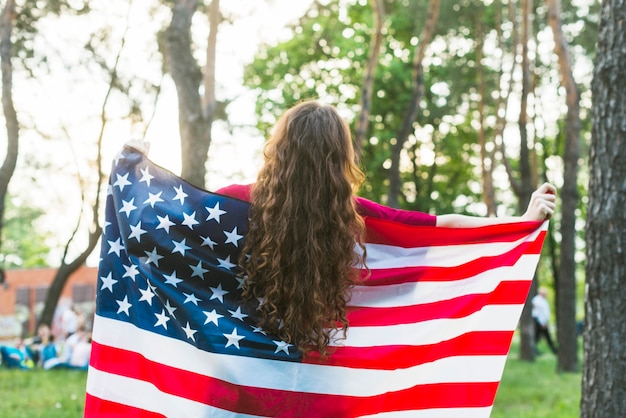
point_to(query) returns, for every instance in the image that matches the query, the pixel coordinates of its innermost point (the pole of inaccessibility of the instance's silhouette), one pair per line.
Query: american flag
(429, 330)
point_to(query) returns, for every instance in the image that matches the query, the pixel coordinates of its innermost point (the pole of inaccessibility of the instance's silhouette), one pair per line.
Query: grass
(529, 390)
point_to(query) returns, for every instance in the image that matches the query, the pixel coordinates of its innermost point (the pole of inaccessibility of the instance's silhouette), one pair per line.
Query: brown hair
(299, 254)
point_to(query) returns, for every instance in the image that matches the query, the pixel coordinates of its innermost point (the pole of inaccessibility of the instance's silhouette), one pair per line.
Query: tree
(604, 369)
(566, 283)
(10, 115)
(23, 244)
(196, 110)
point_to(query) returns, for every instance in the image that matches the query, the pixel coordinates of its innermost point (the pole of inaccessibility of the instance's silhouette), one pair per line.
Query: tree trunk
(10, 116)
(527, 346)
(566, 292)
(195, 113)
(360, 129)
(406, 128)
(604, 368)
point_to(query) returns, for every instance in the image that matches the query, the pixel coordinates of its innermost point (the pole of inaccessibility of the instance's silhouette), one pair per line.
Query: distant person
(69, 321)
(41, 347)
(541, 315)
(15, 356)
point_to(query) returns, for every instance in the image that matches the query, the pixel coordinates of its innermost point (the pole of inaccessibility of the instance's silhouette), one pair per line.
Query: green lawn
(532, 390)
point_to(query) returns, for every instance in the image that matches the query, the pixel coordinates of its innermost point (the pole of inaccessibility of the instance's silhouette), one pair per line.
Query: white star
(180, 195)
(207, 241)
(172, 279)
(116, 247)
(198, 270)
(190, 332)
(215, 212)
(109, 190)
(190, 297)
(259, 330)
(108, 282)
(233, 237)
(241, 281)
(170, 308)
(136, 232)
(225, 263)
(218, 293)
(118, 157)
(238, 314)
(124, 305)
(131, 271)
(106, 223)
(211, 317)
(233, 338)
(128, 206)
(164, 223)
(281, 346)
(146, 176)
(180, 247)
(153, 257)
(162, 319)
(153, 198)
(146, 295)
(122, 181)
(190, 220)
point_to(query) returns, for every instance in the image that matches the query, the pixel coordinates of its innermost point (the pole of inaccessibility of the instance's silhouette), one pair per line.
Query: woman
(305, 219)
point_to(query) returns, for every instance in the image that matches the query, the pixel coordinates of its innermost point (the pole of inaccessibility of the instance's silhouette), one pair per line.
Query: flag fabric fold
(429, 331)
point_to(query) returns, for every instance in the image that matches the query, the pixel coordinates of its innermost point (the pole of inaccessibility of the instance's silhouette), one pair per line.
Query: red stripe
(380, 277)
(101, 408)
(477, 343)
(506, 293)
(380, 231)
(280, 403)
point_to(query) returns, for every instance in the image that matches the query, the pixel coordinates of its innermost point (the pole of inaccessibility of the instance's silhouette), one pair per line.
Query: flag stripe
(273, 402)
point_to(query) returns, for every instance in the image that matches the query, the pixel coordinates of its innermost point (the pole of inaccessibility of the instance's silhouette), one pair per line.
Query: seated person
(16, 356)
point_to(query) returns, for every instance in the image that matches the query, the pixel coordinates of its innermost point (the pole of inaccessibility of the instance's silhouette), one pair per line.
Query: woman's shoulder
(238, 191)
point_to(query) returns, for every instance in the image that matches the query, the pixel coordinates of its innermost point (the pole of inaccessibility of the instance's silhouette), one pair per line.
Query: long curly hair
(299, 256)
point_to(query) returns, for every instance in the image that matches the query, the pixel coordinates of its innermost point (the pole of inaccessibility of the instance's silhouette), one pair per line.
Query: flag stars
(189, 332)
(170, 309)
(172, 279)
(190, 220)
(164, 223)
(153, 199)
(233, 237)
(180, 246)
(128, 206)
(281, 346)
(206, 241)
(180, 194)
(233, 339)
(124, 306)
(191, 298)
(115, 247)
(122, 181)
(218, 293)
(212, 316)
(225, 263)
(146, 295)
(238, 314)
(146, 176)
(153, 257)
(131, 271)
(107, 282)
(198, 270)
(136, 232)
(215, 212)
(162, 319)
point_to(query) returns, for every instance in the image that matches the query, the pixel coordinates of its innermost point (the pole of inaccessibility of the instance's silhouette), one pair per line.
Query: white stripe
(490, 318)
(381, 256)
(294, 376)
(413, 293)
(144, 395)
(483, 412)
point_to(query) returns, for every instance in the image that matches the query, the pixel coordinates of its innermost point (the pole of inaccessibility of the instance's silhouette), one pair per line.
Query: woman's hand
(542, 203)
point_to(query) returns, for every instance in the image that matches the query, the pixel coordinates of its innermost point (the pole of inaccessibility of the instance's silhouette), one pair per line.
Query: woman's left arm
(541, 207)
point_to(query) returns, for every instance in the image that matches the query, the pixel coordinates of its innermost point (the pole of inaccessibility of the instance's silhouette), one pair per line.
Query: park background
(458, 106)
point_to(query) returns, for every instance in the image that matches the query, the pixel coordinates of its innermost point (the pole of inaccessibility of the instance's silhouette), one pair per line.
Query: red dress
(364, 207)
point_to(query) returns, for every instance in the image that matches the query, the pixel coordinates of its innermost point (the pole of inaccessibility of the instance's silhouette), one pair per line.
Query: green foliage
(42, 393)
(23, 244)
